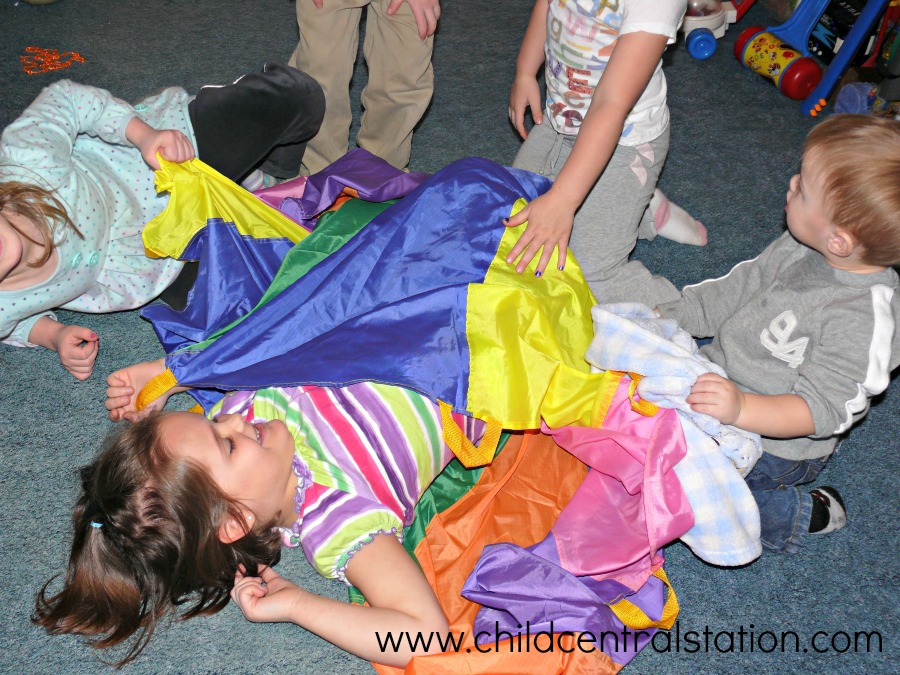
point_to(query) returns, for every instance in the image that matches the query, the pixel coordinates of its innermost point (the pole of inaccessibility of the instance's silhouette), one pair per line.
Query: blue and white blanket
(629, 337)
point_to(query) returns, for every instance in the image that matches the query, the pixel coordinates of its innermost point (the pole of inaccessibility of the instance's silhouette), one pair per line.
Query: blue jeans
(784, 510)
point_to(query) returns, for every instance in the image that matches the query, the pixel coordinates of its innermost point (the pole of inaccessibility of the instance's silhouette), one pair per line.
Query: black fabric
(262, 120)
(176, 295)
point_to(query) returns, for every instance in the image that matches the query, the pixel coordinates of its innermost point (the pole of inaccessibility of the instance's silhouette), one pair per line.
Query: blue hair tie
(96, 525)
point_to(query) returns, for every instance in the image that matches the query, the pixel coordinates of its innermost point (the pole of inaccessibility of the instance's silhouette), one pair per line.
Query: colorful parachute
(417, 293)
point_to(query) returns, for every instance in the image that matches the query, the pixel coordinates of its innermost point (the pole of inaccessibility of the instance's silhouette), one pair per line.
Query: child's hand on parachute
(550, 220)
(171, 144)
(123, 387)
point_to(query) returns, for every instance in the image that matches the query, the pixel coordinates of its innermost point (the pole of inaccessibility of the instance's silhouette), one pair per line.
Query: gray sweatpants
(612, 216)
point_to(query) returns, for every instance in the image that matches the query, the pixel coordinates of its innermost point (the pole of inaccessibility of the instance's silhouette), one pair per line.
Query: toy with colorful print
(781, 53)
(787, 68)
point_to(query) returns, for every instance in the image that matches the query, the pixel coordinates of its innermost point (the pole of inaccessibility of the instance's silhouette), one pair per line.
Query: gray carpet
(735, 143)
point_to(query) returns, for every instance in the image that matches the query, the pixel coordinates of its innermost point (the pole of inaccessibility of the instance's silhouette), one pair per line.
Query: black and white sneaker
(828, 512)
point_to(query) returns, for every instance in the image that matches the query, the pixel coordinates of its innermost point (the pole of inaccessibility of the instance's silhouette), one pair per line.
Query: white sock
(673, 222)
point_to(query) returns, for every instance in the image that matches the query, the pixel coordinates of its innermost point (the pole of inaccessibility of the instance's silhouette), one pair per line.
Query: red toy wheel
(743, 39)
(799, 78)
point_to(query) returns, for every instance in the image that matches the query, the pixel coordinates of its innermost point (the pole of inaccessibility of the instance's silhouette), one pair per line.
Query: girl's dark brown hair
(39, 206)
(145, 543)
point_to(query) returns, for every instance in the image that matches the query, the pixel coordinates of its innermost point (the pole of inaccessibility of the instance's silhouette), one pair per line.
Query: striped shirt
(365, 453)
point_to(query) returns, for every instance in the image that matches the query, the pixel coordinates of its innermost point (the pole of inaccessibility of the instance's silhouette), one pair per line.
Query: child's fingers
(697, 389)
(79, 355)
(79, 371)
(519, 247)
(244, 597)
(528, 255)
(428, 25)
(118, 388)
(515, 221)
(84, 352)
(422, 25)
(115, 415)
(708, 378)
(134, 415)
(79, 368)
(119, 394)
(704, 409)
(76, 335)
(185, 149)
(543, 261)
(114, 379)
(79, 351)
(701, 398)
(173, 151)
(524, 251)
(174, 146)
(248, 587)
(117, 405)
(79, 365)
(517, 117)
(534, 103)
(703, 386)
(268, 575)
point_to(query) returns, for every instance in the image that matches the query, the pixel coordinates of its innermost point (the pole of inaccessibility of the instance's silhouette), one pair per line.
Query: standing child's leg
(609, 222)
(261, 120)
(540, 151)
(329, 38)
(401, 82)
(787, 514)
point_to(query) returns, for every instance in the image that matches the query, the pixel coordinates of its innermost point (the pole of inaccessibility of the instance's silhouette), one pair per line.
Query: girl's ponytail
(146, 542)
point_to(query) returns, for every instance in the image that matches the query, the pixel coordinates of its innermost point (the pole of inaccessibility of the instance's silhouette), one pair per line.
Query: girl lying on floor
(181, 508)
(77, 186)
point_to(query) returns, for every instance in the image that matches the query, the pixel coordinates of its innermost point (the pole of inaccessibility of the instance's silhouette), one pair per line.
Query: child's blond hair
(858, 159)
(39, 206)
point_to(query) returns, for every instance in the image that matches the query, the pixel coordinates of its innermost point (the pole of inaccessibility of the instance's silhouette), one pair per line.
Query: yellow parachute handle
(462, 447)
(638, 404)
(155, 388)
(634, 617)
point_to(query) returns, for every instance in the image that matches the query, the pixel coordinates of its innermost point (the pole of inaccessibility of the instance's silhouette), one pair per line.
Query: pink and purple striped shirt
(365, 453)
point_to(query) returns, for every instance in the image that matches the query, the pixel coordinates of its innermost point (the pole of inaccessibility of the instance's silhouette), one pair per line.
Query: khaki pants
(401, 79)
